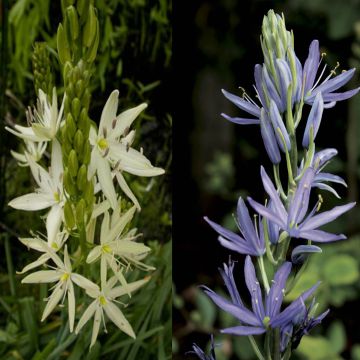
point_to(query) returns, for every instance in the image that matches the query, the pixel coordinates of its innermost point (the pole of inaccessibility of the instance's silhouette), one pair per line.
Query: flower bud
(70, 127)
(89, 193)
(69, 215)
(80, 211)
(90, 27)
(79, 87)
(75, 108)
(86, 153)
(269, 139)
(72, 17)
(63, 45)
(82, 177)
(92, 51)
(73, 163)
(82, 7)
(79, 143)
(69, 183)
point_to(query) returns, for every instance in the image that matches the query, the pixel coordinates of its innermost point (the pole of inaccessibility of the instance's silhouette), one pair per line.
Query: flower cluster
(283, 86)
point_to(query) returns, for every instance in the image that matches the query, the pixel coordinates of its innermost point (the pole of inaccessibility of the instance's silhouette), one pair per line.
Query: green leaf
(316, 348)
(341, 270)
(337, 336)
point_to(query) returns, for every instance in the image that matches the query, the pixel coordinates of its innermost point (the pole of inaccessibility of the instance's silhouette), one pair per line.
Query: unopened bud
(73, 163)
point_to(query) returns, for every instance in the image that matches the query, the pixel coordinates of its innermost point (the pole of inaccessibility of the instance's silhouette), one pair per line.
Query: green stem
(276, 341)
(256, 348)
(278, 181)
(269, 252)
(263, 273)
(10, 266)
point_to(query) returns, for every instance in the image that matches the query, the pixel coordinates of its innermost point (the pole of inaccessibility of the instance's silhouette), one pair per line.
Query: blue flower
(252, 242)
(301, 325)
(292, 220)
(264, 314)
(328, 85)
(201, 354)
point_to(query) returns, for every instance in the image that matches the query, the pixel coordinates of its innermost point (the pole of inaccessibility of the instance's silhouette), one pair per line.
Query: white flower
(116, 251)
(113, 143)
(44, 121)
(49, 193)
(33, 150)
(104, 302)
(36, 243)
(64, 277)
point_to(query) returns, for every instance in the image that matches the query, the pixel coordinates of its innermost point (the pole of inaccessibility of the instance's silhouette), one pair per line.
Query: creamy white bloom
(45, 247)
(113, 142)
(117, 250)
(50, 191)
(65, 278)
(33, 150)
(104, 302)
(44, 121)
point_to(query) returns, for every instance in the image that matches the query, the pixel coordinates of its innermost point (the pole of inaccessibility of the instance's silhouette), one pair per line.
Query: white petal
(40, 261)
(118, 318)
(105, 227)
(117, 229)
(125, 119)
(67, 262)
(96, 326)
(126, 247)
(34, 243)
(42, 177)
(117, 272)
(125, 188)
(53, 223)
(92, 164)
(44, 276)
(24, 133)
(32, 202)
(100, 208)
(83, 282)
(53, 301)
(88, 313)
(105, 179)
(71, 305)
(56, 163)
(109, 112)
(94, 254)
(131, 287)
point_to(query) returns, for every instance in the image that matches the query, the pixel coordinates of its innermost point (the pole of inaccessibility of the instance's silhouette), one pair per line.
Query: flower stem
(263, 273)
(255, 347)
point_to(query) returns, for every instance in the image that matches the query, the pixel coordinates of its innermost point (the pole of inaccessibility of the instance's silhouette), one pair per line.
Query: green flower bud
(79, 142)
(73, 163)
(63, 45)
(92, 51)
(81, 180)
(73, 20)
(80, 211)
(69, 183)
(89, 194)
(66, 142)
(82, 7)
(67, 72)
(70, 127)
(90, 28)
(79, 88)
(69, 215)
(83, 119)
(75, 108)
(86, 153)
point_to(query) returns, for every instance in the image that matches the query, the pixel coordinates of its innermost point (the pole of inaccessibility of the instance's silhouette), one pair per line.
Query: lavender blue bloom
(269, 139)
(278, 125)
(252, 242)
(328, 85)
(201, 354)
(300, 326)
(292, 221)
(264, 314)
(301, 252)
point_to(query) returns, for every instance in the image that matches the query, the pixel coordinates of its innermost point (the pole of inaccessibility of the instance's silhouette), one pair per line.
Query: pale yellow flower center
(102, 300)
(56, 196)
(106, 249)
(54, 246)
(103, 144)
(64, 277)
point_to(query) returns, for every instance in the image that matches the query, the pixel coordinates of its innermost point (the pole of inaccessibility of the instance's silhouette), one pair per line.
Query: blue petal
(293, 309)
(341, 96)
(320, 236)
(313, 120)
(273, 94)
(242, 104)
(329, 177)
(326, 188)
(228, 277)
(299, 254)
(258, 83)
(247, 226)
(238, 312)
(267, 213)
(323, 156)
(241, 121)
(277, 205)
(253, 286)
(277, 122)
(242, 248)
(284, 74)
(276, 294)
(244, 330)
(325, 217)
(269, 139)
(311, 65)
(224, 232)
(300, 202)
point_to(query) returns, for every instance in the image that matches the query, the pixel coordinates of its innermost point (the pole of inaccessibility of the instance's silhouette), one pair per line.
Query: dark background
(216, 46)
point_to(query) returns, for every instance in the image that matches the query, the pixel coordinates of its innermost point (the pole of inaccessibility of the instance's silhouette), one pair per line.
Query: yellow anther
(56, 196)
(323, 54)
(266, 321)
(106, 249)
(54, 246)
(103, 144)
